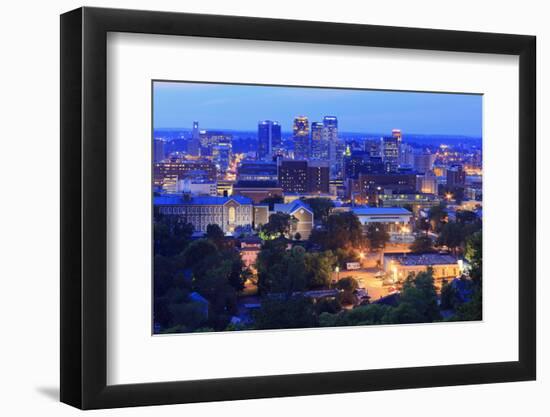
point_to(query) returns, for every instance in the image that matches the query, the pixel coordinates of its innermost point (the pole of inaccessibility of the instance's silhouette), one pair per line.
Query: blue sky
(240, 107)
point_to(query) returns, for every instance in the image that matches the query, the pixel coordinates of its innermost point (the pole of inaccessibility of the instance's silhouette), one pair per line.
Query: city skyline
(314, 228)
(239, 107)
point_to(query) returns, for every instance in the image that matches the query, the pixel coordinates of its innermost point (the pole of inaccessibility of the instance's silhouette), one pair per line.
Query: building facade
(399, 265)
(269, 139)
(303, 215)
(257, 190)
(227, 212)
(319, 143)
(300, 135)
(193, 145)
(181, 169)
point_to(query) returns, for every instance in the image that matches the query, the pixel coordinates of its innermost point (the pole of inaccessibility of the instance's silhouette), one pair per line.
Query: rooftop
(380, 211)
(291, 207)
(256, 184)
(421, 259)
(168, 200)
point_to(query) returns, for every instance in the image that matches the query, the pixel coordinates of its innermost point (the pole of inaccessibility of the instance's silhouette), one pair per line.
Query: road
(367, 279)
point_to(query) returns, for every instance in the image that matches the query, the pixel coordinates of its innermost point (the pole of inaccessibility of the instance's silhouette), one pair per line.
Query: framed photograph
(257, 208)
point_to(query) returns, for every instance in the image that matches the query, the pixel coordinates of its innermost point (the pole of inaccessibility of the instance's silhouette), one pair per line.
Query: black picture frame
(84, 207)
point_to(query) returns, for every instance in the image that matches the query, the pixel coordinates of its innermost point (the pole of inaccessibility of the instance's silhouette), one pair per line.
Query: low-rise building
(303, 214)
(257, 190)
(417, 201)
(227, 212)
(399, 265)
(250, 247)
(197, 187)
(396, 220)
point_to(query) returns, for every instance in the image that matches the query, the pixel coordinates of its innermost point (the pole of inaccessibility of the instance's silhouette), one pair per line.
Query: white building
(397, 220)
(197, 187)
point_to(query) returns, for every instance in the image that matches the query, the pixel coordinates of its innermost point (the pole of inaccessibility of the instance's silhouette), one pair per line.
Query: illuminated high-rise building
(159, 151)
(222, 152)
(304, 176)
(424, 162)
(390, 153)
(330, 136)
(193, 146)
(319, 145)
(300, 133)
(396, 133)
(269, 139)
(456, 177)
(209, 139)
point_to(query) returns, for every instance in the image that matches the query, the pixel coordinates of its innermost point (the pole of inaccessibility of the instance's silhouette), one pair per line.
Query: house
(399, 265)
(303, 214)
(250, 247)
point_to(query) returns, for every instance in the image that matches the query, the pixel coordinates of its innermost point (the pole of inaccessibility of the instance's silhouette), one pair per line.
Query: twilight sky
(240, 107)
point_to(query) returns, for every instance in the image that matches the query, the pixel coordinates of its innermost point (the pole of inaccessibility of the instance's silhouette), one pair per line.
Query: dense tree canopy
(422, 244)
(377, 236)
(171, 235)
(279, 225)
(271, 201)
(437, 216)
(343, 231)
(321, 208)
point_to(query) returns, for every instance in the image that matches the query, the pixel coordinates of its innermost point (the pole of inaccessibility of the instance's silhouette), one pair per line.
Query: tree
(268, 263)
(348, 284)
(321, 207)
(292, 313)
(418, 301)
(214, 286)
(473, 254)
(423, 224)
(437, 216)
(319, 268)
(451, 235)
(271, 201)
(422, 244)
(200, 255)
(472, 310)
(343, 230)
(359, 316)
(279, 224)
(171, 235)
(466, 216)
(377, 236)
(449, 297)
(238, 274)
(280, 271)
(214, 232)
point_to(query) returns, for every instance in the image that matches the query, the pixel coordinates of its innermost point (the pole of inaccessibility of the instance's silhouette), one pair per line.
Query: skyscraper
(158, 151)
(293, 176)
(304, 176)
(396, 133)
(424, 162)
(390, 153)
(212, 138)
(319, 145)
(300, 131)
(193, 146)
(222, 152)
(276, 141)
(330, 136)
(269, 139)
(456, 177)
